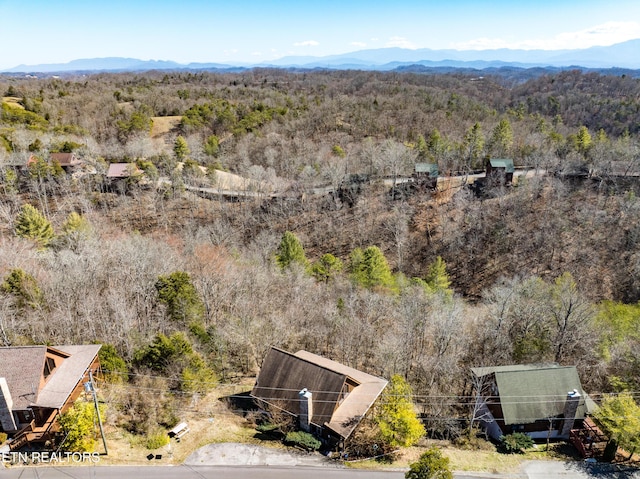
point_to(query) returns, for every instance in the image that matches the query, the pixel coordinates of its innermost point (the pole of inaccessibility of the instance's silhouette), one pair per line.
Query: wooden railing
(22, 438)
(590, 441)
(31, 432)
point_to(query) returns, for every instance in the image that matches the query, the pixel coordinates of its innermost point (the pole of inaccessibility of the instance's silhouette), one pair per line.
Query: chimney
(6, 405)
(570, 410)
(306, 409)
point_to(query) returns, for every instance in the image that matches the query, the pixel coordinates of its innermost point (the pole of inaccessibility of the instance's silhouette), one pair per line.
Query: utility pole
(91, 385)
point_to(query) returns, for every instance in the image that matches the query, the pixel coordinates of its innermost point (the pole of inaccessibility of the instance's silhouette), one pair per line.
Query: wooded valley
(187, 290)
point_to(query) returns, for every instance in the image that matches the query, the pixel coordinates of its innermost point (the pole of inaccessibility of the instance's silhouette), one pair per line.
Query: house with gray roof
(37, 384)
(543, 401)
(328, 399)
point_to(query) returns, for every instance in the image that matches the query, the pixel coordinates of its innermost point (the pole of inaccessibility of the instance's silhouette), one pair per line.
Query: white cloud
(605, 34)
(307, 43)
(400, 42)
(256, 54)
(358, 44)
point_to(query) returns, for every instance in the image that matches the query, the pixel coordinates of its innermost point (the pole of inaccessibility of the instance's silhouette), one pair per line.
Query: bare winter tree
(479, 413)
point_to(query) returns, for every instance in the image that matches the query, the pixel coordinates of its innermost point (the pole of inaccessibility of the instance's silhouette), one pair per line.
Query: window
(49, 366)
(24, 416)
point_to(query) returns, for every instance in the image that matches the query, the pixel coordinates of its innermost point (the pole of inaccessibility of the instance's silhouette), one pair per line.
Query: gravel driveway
(234, 454)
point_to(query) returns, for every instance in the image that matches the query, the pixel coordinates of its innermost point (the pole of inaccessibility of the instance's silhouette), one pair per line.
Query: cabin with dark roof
(120, 176)
(67, 161)
(328, 399)
(543, 401)
(37, 384)
(118, 171)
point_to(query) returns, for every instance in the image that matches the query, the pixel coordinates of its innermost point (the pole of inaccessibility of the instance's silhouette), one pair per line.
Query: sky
(253, 31)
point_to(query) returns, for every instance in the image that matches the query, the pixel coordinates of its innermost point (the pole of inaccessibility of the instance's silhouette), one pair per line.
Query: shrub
(367, 441)
(396, 416)
(113, 366)
(156, 439)
(277, 416)
(515, 443)
(473, 442)
(163, 352)
(77, 426)
(24, 288)
(302, 439)
(144, 405)
(267, 427)
(431, 465)
(197, 376)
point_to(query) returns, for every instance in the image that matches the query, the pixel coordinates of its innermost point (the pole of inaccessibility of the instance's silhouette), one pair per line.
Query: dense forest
(187, 290)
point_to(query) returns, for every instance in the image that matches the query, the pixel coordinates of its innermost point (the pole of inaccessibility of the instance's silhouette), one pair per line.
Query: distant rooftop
(505, 163)
(430, 168)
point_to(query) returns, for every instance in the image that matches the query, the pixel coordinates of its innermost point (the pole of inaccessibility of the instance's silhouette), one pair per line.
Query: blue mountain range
(621, 55)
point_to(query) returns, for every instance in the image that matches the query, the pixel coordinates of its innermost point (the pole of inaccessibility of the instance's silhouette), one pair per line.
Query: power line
(415, 396)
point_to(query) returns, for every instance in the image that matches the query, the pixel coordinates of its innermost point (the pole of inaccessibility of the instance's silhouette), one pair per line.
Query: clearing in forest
(163, 125)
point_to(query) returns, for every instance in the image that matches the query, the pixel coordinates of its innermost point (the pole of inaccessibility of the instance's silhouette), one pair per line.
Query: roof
(505, 163)
(529, 393)
(14, 161)
(431, 168)
(65, 159)
(122, 170)
(67, 376)
(284, 374)
(22, 367)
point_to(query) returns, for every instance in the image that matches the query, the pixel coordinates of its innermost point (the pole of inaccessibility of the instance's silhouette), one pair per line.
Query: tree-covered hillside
(325, 248)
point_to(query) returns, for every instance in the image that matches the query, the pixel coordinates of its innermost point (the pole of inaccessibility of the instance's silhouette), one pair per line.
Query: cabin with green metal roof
(543, 401)
(500, 171)
(426, 175)
(426, 169)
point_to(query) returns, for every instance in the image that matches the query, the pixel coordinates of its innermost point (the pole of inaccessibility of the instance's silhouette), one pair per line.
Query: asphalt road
(188, 472)
(533, 470)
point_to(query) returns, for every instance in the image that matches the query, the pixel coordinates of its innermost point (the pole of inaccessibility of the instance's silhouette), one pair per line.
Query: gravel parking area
(234, 454)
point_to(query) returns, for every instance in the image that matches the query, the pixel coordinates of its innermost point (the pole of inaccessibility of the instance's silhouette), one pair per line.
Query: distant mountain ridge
(111, 64)
(621, 55)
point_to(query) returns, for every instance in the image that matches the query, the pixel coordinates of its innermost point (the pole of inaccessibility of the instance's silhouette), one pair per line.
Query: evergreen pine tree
(370, 268)
(179, 294)
(31, 224)
(290, 251)
(181, 148)
(437, 278)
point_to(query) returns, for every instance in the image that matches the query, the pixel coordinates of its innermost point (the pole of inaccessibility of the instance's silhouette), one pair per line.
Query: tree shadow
(240, 404)
(604, 470)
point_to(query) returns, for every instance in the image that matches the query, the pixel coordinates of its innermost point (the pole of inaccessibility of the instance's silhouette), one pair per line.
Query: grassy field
(12, 101)
(209, 420)
(163, 125)
(212, 421)
(461, 460)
